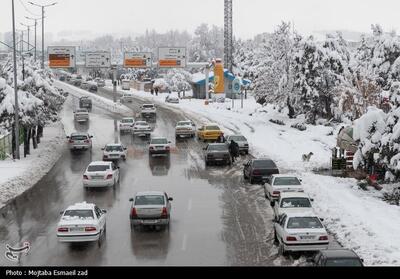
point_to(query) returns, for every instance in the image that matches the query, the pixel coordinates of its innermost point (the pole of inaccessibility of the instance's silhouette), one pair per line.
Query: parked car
(209, 132)
(142, 129)
(185, 129)
(126, 84)
(92, 86)
(159, 146)
(279, 183)
(84, 85)
(291, 202)
(126, 125)
(217, 153)
(127, 97)
(77, 82)
(81, 141)
(148, 111)
(337, 257)
(82, 222)
(100, 82)
(81, 115)
(150, 209)
(258, 170)
(85, 102)
(300, 232)
(101, 174)
(172, 99)
(114, 152)
(241, 141)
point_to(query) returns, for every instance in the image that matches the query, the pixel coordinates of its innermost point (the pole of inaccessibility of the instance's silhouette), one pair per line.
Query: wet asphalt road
(216, 218)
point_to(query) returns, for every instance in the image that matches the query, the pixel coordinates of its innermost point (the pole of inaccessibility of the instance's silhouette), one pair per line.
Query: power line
(26, 9)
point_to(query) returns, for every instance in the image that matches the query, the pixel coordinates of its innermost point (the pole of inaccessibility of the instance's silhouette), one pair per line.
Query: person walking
(156, 89)
(152, 91)
(232, 150)
(221, 138)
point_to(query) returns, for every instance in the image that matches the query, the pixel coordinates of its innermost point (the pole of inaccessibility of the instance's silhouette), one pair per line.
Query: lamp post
(16, 106)
(35, 19)
(29, 31)
(42, 6)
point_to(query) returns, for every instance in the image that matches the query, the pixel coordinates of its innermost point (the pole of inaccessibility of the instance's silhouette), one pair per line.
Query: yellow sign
(219, 83)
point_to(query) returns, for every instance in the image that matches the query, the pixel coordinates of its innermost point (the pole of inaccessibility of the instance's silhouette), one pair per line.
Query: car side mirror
(91, 137)
(362, 260)
(204, 148)
(322, 219)
(131, 199)
(312, 200)
(169, 142)
(68, 137)
(125, 148)
(104, 211)
(102, 149)
(61, 212)
(272, 203)
(170, 199)
(301, 180)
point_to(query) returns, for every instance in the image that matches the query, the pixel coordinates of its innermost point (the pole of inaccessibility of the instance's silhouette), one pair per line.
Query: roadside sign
(98, 60)
(61, 56)
(138, 59)
(172, 57)
(219, 78)
(236, 86)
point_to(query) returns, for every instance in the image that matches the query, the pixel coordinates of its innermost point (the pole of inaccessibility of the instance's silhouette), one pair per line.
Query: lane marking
(184, 242)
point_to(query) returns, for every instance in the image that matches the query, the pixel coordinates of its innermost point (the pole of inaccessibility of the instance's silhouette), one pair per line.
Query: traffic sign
(172, 57)
(61, 56)
(138, 59)
(98, 60)
(236, 86)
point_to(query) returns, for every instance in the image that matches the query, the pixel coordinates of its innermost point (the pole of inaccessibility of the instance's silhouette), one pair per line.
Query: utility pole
(29, 28)
(16, 106)
(35, 19)
(43, 6)
(228, 34)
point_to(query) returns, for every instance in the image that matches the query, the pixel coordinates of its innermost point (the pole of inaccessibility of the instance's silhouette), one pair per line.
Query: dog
(306, 158)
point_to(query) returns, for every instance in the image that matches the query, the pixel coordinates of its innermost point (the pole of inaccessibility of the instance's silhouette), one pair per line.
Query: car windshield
(219, 147)
(79, 137)
(237, 138)
(94, 168)
(81, 110)
(295, 202)
(159, 141)
(304, 223)
(81, 214)
(264, 164)
(141, 124)
(187, 123)
(212, 128)
(149, 200)
(343, 262)
(148, 106)
(286, 181)
(111, 148)
(127, 121)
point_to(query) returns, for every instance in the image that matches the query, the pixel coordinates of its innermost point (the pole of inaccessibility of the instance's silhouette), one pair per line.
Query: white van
(126, 84)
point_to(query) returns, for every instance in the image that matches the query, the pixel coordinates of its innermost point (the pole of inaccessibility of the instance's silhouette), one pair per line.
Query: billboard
(100, 59)
(219, 82)
(172, 57)
(62, 56)
(138, 59)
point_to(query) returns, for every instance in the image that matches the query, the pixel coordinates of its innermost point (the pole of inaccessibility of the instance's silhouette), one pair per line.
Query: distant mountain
(348, 35)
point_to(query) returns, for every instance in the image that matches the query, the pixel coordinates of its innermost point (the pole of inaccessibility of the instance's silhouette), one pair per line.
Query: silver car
(80, 141)
(241, 141)
(81, 115)
(150, 209)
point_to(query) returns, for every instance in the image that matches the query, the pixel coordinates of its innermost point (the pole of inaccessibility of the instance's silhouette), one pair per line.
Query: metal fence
(5, 146)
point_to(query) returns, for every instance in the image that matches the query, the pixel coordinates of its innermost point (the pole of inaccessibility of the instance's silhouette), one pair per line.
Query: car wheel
(281, 250)
(252, 180)
(276, 241)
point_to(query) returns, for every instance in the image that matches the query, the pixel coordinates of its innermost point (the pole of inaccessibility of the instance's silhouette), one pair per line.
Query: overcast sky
(251, 17)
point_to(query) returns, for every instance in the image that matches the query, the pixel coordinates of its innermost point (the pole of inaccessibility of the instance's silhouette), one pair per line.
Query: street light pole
(16, 106)
(42, 6)
(35, 19)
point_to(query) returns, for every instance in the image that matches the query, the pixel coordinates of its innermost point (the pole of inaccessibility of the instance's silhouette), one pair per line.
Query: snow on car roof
(284, 175)
(294, 195)
(99, 163)
(150, 193)
(79, 134)
(301, 214)
(114, 144)
(81, 205)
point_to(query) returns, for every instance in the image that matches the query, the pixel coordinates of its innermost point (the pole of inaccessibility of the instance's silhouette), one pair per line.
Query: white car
(101, 174)
(159, 146)
(279, 183)
(292, 202)
(142, 128)
(81, 115)
(114, 152)
(300, 232)
(127, 97)
(148, 111)
(172, 99)
(126, 125)
(81, 141)
(82, 222)
(185, 129)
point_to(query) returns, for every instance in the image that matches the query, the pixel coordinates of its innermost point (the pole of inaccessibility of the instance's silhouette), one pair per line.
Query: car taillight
(90, 229)
(164, 213)
(71, 141)
(85, 177)
(276, 193)
(87, 141)
(133, 213)
(110, 176)
(256, 172)
(324, 237)
(167, 147)
(62, 229)
(291, 238)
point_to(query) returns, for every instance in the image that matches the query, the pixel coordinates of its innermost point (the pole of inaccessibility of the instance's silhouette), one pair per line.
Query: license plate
(219, 159)
(160, 147)
(97, 177)
(308, 237)
(76, 229)
(150, 221)
(114, 155)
